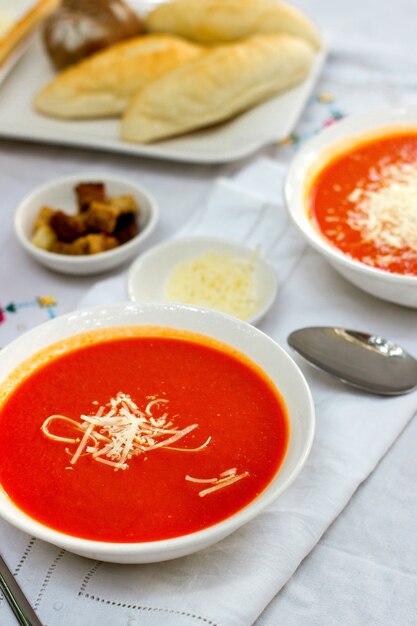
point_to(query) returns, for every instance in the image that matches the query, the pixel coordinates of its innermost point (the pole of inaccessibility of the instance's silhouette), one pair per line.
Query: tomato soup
(139, 435)
(364, 202)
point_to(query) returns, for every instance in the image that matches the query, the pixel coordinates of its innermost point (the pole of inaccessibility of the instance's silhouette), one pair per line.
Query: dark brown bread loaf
(79, 28)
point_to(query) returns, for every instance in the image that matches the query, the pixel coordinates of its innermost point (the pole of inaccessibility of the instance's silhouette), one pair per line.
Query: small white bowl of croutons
(86, 223)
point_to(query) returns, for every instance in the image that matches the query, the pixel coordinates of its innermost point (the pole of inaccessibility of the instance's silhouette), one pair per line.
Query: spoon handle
(16, 599)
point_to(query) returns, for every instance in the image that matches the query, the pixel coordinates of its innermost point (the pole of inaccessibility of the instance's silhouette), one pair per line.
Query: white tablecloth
(364, 569)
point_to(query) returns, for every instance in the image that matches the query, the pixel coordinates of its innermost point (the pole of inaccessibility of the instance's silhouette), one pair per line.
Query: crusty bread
(226, 80)
(81, 27)
(221, 21)
(24, 26)
(101, 85)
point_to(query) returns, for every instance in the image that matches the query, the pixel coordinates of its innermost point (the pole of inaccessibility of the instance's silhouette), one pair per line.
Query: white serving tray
(11, 61)
(12, 11)
(267, 123)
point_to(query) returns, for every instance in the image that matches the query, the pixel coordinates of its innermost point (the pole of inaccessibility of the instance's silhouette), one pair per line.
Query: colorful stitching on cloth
(46, 302)
(334, 114)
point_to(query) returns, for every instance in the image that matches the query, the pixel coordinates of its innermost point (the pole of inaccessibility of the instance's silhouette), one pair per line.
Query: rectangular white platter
(267, 123)
(11, 11)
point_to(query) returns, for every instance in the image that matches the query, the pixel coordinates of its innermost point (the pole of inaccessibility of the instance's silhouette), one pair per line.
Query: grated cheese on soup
(387, 214)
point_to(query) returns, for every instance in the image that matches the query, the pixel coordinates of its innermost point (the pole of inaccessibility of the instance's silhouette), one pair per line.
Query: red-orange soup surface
(202, 382)
(364, 202)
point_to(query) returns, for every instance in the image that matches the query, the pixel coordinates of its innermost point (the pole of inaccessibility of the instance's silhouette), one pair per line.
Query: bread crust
(225, 81)
(213, 22)
(24, 26)
(101, 85)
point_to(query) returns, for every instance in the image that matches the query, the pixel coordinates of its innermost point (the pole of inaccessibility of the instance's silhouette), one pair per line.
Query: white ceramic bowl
(148, 275)
(386, 285)
(60, 194)
(249, 340)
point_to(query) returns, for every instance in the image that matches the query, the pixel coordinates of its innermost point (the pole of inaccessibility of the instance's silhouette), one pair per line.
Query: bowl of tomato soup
(140, 433)
(351, 191)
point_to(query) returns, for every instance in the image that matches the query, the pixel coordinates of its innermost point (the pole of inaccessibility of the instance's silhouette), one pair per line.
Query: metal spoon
(368, 362)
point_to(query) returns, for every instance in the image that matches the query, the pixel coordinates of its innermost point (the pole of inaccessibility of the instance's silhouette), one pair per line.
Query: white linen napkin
(230, 583)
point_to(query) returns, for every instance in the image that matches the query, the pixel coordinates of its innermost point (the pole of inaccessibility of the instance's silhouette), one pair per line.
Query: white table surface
(364, 570)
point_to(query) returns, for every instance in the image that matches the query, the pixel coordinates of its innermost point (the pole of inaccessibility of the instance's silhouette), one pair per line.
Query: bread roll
(222, 21)
(224, 81)
(24, 26)
(101, 85)
(81, 27)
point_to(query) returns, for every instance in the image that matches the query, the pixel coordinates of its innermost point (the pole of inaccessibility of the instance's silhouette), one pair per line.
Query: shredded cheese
(220, 281)
(226, 478)
(385, 209)
(120, 430)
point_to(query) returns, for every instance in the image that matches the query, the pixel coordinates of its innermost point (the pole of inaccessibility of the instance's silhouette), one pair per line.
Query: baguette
(220, 21)
(101, 85)
(225, 81)
(24, 26)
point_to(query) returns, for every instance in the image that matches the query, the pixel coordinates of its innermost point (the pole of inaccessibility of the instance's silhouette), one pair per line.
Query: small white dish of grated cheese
(209, 272)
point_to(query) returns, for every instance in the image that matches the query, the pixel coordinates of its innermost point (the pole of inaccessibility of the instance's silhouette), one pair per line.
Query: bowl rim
(191, 540)
(266, 266)
(355, 124)
(105, 177)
